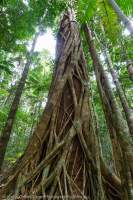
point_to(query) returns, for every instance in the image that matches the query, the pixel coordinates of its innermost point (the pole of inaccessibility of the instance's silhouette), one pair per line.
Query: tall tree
(113, 113)
(5, 136)
(62, 158)
(128, 111)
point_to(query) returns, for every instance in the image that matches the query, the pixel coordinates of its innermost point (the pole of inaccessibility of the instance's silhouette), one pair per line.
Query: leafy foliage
(85, 9)
(126, 6)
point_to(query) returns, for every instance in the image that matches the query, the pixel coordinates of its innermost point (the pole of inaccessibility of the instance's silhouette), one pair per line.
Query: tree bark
(111, 108)
(5, 136)
(62, 158)
(121, 16)
(128, 111)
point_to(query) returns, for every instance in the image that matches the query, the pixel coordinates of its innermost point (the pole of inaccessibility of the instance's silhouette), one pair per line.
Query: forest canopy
(66, 99)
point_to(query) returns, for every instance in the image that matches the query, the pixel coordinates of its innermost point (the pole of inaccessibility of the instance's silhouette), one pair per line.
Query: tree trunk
(62, 158)
(128, 111)
(5, 136)
(112, 110)
(121, 16)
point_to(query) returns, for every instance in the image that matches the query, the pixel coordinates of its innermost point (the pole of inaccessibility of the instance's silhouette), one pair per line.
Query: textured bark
(112, 110)
(121, 16)
(128, 111)
(62, 157)
(5, 136)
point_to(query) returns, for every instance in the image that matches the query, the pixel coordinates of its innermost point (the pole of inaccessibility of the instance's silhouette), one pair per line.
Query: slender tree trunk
(62, 158)
(121, 16)
(36, 116)
(116, 119)
(128, 111)
(5, 136)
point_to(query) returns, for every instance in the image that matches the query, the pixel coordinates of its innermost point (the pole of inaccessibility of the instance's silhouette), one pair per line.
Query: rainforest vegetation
(66, 110)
